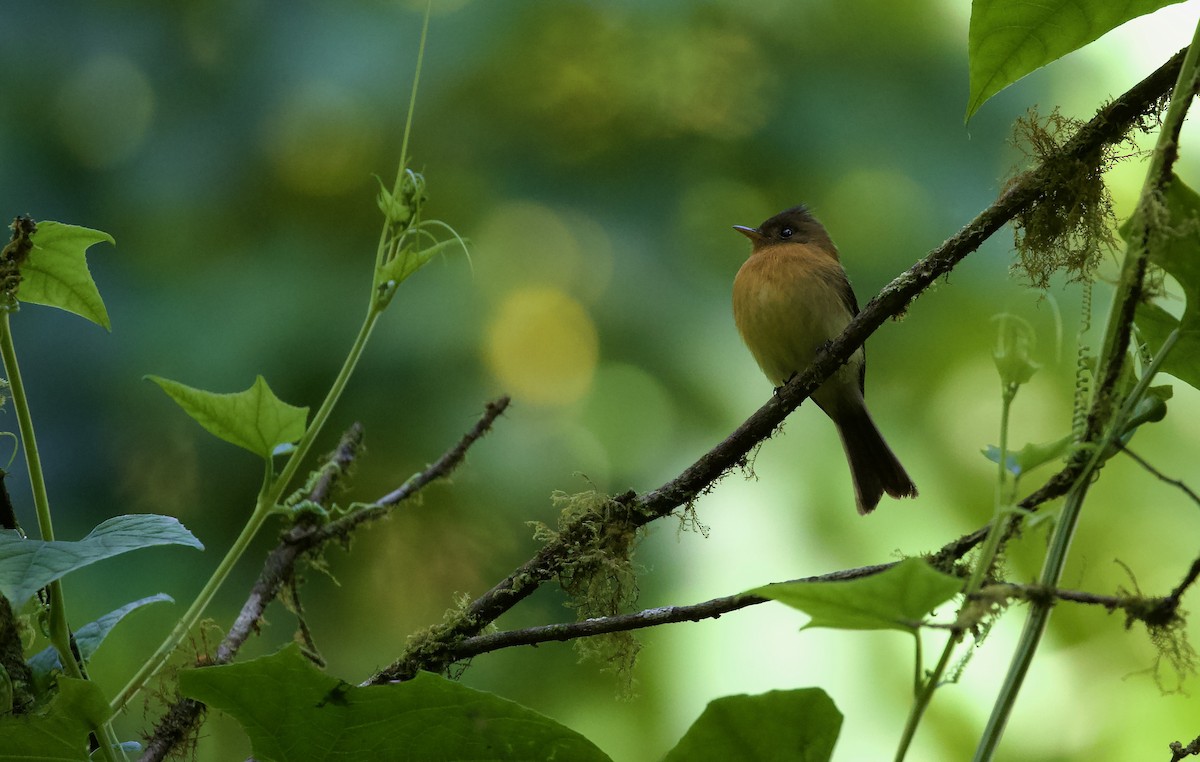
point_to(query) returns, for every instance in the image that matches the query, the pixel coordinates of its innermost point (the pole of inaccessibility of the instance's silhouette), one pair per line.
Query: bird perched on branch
(790, 298)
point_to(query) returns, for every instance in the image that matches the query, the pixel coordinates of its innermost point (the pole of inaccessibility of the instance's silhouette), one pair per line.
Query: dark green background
(596, 155)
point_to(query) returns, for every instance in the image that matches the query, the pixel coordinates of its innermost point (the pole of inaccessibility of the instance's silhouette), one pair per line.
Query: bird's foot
(786, 381)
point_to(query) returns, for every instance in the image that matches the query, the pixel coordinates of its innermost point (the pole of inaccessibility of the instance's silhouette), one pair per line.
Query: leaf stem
(412, 100)
(925, 695)
(1056, 557)
(385, 236)
(1003, 506)
(987, 557)
(33, 463)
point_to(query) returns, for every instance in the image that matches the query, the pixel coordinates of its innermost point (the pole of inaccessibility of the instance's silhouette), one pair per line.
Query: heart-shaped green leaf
(60, 733)
(293, 712)
(800, 725)
(1008, 39)
(897, 599)
(255, 419)
(56, 272)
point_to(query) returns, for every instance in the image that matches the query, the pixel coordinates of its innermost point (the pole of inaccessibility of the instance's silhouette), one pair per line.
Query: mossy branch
(434, 650)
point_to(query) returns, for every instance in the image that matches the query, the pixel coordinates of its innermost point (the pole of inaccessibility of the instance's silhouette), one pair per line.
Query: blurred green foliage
(595, 154)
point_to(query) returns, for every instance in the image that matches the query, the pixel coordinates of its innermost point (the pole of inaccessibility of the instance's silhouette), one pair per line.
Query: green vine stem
(268, 497)
(925, 691)
(273, 487)
(1056, 557)
(1112, 360)
(1102, 419)
(60, 633)
(60, 630)
(983, 563)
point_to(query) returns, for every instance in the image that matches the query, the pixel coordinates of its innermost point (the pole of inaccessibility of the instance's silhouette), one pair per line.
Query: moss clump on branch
(598, 572)
(1071, 223)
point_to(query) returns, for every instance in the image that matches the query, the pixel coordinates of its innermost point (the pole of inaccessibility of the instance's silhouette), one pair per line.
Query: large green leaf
(1009, 38)
(56, 272)
(27, 565)
(255, 419)
(798, 725)
(58, 732)
(295, 713)
(1156, 324)
(897, 599)
(1175, 247)
(87, 639)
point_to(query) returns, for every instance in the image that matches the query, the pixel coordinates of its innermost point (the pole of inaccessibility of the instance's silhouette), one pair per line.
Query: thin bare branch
(181, 718)
(439, 469)
(712, 609)
(718, 607)
(1178, 483)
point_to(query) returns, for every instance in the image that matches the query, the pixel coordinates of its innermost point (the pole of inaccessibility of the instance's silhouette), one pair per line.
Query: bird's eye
(786, 233)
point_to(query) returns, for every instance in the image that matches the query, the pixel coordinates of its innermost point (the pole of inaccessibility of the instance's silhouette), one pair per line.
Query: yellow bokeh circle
(541, 346)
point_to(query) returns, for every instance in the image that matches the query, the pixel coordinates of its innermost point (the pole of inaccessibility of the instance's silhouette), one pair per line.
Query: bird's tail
(873, 466)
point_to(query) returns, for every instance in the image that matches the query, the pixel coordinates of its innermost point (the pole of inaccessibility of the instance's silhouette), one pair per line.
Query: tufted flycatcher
(790, 298)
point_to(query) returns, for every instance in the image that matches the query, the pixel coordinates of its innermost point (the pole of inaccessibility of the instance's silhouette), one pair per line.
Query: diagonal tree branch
(182, 717)
(1111, 123)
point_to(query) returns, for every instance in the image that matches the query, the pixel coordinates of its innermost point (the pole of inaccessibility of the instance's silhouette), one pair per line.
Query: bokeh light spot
(523, 243)
(104, 111)
(322, 140)
(541, 345)
(872, 213)
(708, 210)
(631, 415)
(604, 80)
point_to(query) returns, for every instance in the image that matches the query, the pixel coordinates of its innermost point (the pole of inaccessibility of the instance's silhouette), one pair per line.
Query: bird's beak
(750, 233)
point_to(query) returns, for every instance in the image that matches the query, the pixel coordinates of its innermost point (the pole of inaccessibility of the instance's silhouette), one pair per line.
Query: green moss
(598, 572)
(1071, 224)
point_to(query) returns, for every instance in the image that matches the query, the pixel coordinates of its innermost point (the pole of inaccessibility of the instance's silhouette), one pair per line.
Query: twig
(181, 718)
(1137, 608)
(1159, 474)
(1167, 609)
(439, 469)
(712, 609)
(1190, 578)
(1179, 751)
(718, 607)
(1109, 125)
(278, 568)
